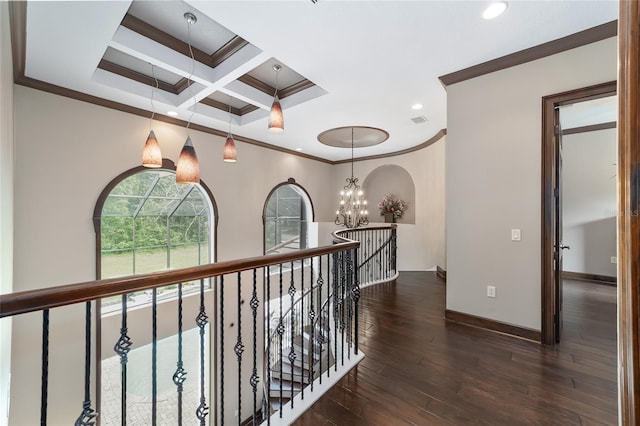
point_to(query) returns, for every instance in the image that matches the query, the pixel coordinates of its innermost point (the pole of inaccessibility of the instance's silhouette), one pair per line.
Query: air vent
(419, 120)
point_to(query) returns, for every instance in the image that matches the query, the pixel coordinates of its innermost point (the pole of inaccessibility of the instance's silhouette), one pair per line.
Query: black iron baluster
(87, 415)
(122, 348)
(394, 248)
(221, 306)
(268, 357)
(280, 331)
(239, 347)
(302, 331)
(44, 393)
(180, 375)
(349, 280)
(355, 296)
(341, 298)
(254, 375)
(154, 356)
(386, 260)
(201, 321)
(336, 307)
(292, 353)
(312, 329)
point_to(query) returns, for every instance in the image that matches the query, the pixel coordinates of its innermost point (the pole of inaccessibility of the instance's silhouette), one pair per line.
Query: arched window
(287, 214)
(146, 222)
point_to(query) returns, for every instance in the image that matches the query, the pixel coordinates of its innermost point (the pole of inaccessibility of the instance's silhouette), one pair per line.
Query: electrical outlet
(491, 291)
(614, 259)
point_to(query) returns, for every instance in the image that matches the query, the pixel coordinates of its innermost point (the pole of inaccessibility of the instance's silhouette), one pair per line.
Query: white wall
(6, 201)
(593, 244)
(493, 175)
(590, 202)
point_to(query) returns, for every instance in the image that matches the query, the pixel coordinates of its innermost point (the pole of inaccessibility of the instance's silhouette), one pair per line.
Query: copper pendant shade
(230, 155)
(188, 169)
(151, 155)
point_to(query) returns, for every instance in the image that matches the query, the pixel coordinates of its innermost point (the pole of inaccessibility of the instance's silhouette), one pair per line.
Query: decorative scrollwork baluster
(88, 415)
(201, 321)
(255, 379)
(122, 348)
(180, 375)
(292, 354)
(239, 347)
(221, 351)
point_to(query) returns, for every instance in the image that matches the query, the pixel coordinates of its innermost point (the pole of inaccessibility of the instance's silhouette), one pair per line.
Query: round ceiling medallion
(362, 136)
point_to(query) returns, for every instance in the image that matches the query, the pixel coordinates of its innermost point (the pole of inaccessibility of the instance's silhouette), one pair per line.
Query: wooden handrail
(338, 233)
(52, 297)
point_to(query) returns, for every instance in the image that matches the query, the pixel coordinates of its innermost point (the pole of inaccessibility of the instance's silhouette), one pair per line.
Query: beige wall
(493, 175)
(6, 200)
(67, 151)
(420, 244)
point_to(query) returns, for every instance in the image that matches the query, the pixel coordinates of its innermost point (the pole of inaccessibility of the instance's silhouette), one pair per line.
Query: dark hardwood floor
(420, 370)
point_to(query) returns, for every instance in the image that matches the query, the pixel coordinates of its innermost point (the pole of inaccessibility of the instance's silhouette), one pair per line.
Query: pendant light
(151, 154)
(230, 155)
(276, 119)
(188, 169)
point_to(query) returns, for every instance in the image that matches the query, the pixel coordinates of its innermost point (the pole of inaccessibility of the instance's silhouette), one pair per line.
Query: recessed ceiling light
(495, 9)
(416, 106)
(172, 113)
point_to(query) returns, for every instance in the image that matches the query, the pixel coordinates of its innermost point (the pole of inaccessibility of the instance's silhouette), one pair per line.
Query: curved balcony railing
(320, 286)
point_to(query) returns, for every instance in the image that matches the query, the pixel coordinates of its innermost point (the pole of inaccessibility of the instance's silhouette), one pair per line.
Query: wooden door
(558, 246)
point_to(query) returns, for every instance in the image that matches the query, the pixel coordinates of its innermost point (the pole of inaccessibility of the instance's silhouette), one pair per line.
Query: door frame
(629, 213)
(549, 166)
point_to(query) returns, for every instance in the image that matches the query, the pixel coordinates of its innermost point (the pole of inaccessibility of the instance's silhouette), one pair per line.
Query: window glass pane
(119, 205)
(117, 263)
(151, 260)
(137, 184)
(285, 224)
(150, 232)
(167, 187)
(158, 206)
(149, 223)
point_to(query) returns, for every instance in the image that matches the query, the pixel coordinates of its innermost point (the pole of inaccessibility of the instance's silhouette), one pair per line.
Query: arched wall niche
(386, 180)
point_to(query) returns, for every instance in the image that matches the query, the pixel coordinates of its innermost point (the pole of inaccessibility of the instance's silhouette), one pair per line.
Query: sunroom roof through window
(154, 193)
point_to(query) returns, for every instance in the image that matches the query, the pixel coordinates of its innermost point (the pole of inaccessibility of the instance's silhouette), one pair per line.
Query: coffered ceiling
(344, 63)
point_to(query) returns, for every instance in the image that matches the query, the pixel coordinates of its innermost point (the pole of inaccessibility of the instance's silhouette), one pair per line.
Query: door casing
(549, 305)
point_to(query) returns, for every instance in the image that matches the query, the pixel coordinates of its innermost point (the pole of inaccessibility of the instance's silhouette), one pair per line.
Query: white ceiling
(370, 60)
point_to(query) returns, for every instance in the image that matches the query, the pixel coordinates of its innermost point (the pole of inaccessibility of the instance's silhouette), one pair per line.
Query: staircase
(303, 359)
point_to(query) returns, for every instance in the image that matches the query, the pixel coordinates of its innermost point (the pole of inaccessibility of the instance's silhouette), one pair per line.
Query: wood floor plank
(421, 370)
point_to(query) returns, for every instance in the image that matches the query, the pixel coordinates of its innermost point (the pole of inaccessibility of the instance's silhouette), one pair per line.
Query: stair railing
(328, 278)
(327, 330)
(377, 259)
(236, 329)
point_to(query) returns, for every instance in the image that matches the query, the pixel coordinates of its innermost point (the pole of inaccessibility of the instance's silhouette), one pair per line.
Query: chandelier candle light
(352, 211)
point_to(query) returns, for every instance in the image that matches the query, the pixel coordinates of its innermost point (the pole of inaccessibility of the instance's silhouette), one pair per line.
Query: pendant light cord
(193, 68)
(153, 108)
(352, 153)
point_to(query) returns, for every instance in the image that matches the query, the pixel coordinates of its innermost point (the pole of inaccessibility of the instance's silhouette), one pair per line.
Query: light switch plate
(515, 235)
